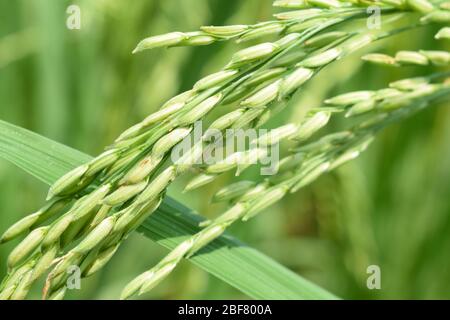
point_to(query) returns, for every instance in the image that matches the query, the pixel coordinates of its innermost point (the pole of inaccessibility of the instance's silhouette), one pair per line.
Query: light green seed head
(251, 54)
(357, 42)
(237, 94)
(444, 33)
(189, 158)
(364, 144)
(164, 40)
(437, 16)
(75, 228)
(45, 262)
(250, 157)
(214, 79)
(379, 58)
(126, 215)
(233, 190)
(143, 214)
(247, 117)
(163, 145)
(338, 137)
(265, 200)
(328, 4)
(287, 40)
(262, 31)
(102, 259)
(158, 275)
(290, 162)
(350, 98)
(163, 113)
(57, 229)
(229, 216)
(199, 111)
(311, 176)
(423, 6)
(19, 227)
(67, 181)
(183, 97)
(254, 192)
(344, 158)
(60, 270)
(325, 142)
(269, 113)
(180, 251)
(124, 161)
(101, 214)
(197, 39)
(124, 193)
(386, 93)
(23, 287)
(263, 96)
(225, 121)
(134, 286)
(422, 91)
(230, 162)
(204, 237)
(263, 76)
(392, 104)
(325, 38)
(408, 84)
(141, 170)
(51, 209)
(12, 280)
(131, 132)
(294, 80)
(6, 293)
(198, 181)
(367, 124)
(361, 107)
(311, 126)
(306, 24)
(58, 294)
(411, 57)
(276, 135)
(225, 31)
(351, 153)
(321, 59)
(96, 236)
(157, 185)
(438, 58)
(103, 161)
(89, 202)
(395, 3)
(300, 15)
(25, 248)
(291, 58)
(290, 4)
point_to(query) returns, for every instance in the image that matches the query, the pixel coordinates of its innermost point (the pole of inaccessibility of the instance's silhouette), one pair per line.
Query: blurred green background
(83, 87)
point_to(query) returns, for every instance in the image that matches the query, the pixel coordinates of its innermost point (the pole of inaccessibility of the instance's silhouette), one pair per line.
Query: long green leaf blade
(230, 260)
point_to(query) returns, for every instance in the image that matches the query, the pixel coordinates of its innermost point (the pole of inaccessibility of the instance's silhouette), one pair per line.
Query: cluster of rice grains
(94, 207)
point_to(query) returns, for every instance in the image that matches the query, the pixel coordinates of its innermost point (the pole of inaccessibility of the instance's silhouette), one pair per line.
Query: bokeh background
(83, 87)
